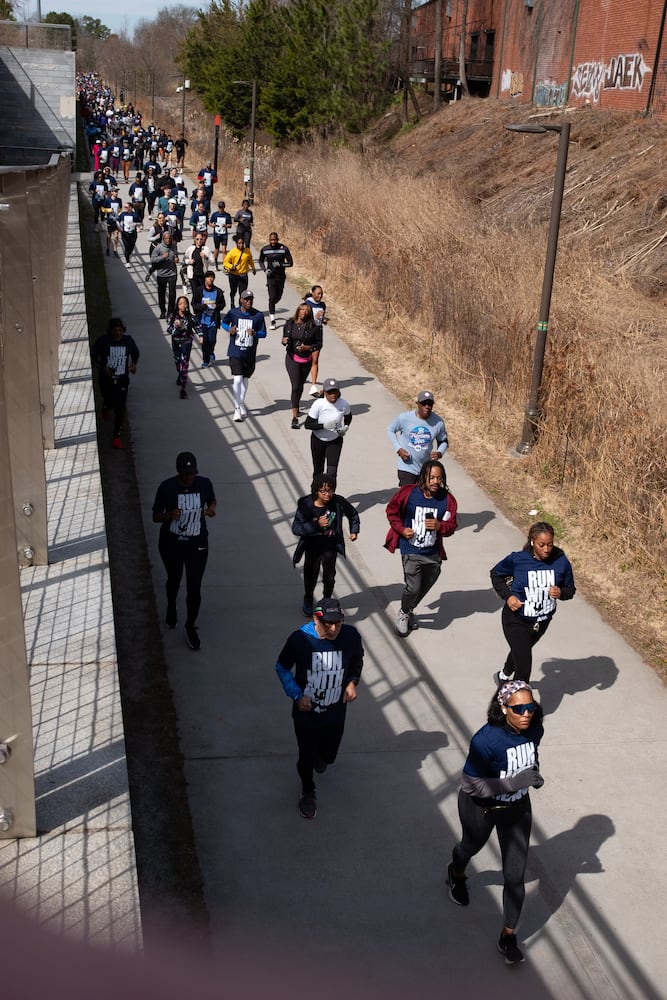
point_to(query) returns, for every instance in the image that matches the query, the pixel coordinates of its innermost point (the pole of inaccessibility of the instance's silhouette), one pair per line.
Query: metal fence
(36, 36)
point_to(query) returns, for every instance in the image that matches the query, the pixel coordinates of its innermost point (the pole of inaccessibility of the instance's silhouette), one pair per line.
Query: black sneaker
(308, 607)
(192, 636)
(458, 890)
(319, 765)
(510, 949)
(308, 806)
(295, 423)
(171, 618)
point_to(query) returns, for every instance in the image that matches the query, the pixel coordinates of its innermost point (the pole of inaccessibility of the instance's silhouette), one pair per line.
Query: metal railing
(36, 36)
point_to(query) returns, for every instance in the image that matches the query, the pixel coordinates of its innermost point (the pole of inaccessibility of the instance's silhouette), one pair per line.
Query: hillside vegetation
(431, 245)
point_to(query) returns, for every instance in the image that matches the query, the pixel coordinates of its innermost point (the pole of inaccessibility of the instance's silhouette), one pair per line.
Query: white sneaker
(402, 626)
(243, 411)
(238, 416)
(315, 390)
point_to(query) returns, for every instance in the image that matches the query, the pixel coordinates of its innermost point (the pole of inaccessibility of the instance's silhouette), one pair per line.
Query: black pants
(419, 573)
(114, 397)
(320, 553)
(316, 743)
(513, 828)
(521, 637)
(191, 556)
(276, 286)
(197, 286)
(325, 451)
(298, 373)
(407, 478)
(181, 347)
(129, 242)
(166, 290)
(237, 283)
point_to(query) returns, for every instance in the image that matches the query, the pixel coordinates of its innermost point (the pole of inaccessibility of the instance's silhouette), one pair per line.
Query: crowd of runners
(320, 664)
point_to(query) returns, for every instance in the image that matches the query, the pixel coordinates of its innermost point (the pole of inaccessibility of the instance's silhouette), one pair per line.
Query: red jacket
(396, 514)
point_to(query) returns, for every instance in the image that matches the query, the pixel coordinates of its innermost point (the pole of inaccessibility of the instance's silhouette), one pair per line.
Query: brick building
(606, 53)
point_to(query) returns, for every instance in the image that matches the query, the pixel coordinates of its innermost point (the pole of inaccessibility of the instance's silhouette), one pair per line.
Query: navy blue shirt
(322, 670)
(531, 580)
(497, 752)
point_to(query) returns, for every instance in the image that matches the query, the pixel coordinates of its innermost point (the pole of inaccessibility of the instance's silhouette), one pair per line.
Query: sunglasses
(529, 706)
(427, 402)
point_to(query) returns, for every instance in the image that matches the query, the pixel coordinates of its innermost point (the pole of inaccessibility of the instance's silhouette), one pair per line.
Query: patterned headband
(510, 688)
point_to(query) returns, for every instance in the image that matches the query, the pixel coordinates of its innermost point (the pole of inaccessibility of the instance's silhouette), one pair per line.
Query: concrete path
(364, 882)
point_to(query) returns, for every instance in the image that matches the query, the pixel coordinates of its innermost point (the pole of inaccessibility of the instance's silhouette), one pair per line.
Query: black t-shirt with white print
(192, 502)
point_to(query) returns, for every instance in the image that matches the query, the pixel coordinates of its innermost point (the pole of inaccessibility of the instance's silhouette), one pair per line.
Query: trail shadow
(480, 519)
(457, 604)
(570, 677)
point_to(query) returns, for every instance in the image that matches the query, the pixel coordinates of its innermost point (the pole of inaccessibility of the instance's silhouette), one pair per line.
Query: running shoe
(308, 806)
(171, 618)
(192, 636)
(458, 890)
(295, 423)
(510, 949)
(402, 626)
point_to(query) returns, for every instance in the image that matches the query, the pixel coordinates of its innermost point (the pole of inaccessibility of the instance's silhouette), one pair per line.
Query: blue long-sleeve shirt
(418, 437)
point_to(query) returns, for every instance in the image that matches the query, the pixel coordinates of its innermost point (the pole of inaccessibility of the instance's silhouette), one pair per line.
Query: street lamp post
(186, 86)
(253, 120)
(532, 413)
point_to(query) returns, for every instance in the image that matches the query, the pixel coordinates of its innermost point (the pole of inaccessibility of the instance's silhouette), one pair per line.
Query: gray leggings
(513, 828)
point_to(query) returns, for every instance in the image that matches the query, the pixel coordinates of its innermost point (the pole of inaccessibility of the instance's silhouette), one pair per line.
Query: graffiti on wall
(512, 82)
(549, 94)
(622, 72)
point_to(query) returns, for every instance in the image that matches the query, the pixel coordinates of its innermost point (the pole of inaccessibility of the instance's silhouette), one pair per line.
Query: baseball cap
(186, 462)
(425, 396)
(172, 201)
(330, 384)
(247, 294)
(329, 610)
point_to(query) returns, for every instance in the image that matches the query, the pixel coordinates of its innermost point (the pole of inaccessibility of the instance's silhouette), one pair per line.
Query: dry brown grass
(439, 242)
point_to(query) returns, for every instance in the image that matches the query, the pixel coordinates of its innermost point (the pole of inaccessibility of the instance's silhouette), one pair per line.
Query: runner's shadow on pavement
(563, 677)
(457, 604)
(479, 520)
(365, 501)
(554, 865)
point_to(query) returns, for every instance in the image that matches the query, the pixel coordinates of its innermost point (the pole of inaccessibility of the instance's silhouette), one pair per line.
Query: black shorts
(220, 240)
(242, 366)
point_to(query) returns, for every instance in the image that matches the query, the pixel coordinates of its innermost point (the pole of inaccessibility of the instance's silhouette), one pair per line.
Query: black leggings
(298, 372)
(316, 743)
(513, 828)
(328, 451)
(191, 556)
(320, 552)
(129, 242)
(521, 637)
(114, 397)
